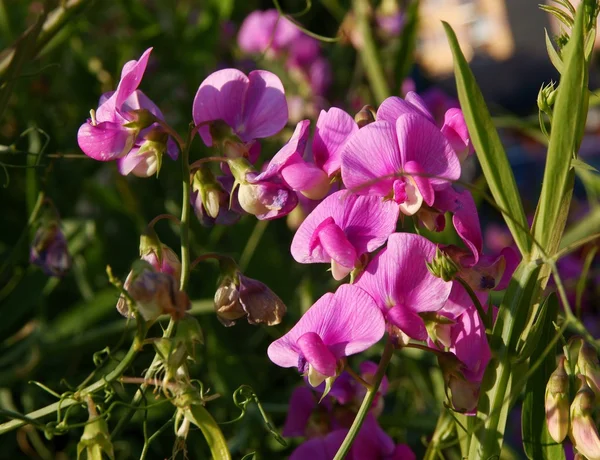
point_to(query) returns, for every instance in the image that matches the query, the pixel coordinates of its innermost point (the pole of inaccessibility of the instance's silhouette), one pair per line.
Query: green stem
(444, 424)
(80, 396)
(365, 407)
(368, 52)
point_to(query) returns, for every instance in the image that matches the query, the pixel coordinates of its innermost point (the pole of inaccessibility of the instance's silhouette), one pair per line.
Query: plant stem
(441, 429)
(365, 407)
(368, 52)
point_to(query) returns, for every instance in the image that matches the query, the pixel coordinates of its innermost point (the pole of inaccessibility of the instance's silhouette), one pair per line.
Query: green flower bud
(557, 403)
(365, 116)
(95, 439)
(442, 266)
(546, 98)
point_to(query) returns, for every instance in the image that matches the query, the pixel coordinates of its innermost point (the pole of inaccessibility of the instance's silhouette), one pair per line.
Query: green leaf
(583, 228)
(200, 417)
(580, 165)
(537, 442)
(488, 147)
(553, 54)
(564, 139)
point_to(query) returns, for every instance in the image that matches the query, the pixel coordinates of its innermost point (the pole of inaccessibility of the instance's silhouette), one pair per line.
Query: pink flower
(334, 127)
(120, 126)
(407, 159)
(253, 106)
(267, 30)
(342, 228)
(337, 325)
(402, 286)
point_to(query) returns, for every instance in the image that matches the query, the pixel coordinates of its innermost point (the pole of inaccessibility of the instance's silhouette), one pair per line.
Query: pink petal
(220, 97)
(265, 108)
(131, 77)
(320, 448)
(303, 176)
(348, 322)
(317, 354)
(290, 153)
(398, 275)
(143, 165)
(366, 222)
(423, 183)
(470, 345)
(421, 141)
(370, 157)
(391, 109)
(372, 442)
(459, 300)
(409, 322)
(335, 244)
(334, 127)
(513, 259)
(465, 218)
(455, 130)
(104, 142)
(300, 408)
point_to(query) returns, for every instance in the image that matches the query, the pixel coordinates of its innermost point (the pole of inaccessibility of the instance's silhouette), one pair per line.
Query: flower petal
(366, 221)
(370, 157)
(334, 127)
(220, 97)
(131, 77)
(398, 275)
(419, 140)
(455, 130)
(316, 353)
(300, 408)
(265, 109)
(394, 106)
(105, 141)
(409, 322)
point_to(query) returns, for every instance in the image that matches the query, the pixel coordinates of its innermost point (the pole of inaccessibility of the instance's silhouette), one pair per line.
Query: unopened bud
(584, 433)
(464, 394)
(588, 365)
(142, 119)
(442, 266)
(439, 327)
(49, 250)
(557, 403)
(365, 116)
(546, 98)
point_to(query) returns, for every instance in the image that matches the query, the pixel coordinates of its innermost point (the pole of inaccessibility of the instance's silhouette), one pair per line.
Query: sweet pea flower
(402, 286)
(336, 326)
(342, 228)
(252, 106)
(334, 128)
(267, 31)
(124, 124)
(406, 160)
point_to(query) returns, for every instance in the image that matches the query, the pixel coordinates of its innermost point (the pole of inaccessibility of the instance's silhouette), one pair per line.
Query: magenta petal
(398, 276)
(391, 109)
(470, 345)
(465, 218)
(104, 142)
(265, 109)
(290, 153)
(370, 158)
(219, 97)
(348, 322)
(132, 74)
(335, 244)
(421, 141)
(459, 300)
(301, 405)
(372, 442)
(409, 322)
(304, 176)
(277, 198)
(316, 353)
(334, 127)
(366, 221)
(455, 130)
(320, 448)
(423, 183)
(513, 259)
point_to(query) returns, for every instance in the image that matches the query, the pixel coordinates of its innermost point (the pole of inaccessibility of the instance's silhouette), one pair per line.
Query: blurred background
(51, 328)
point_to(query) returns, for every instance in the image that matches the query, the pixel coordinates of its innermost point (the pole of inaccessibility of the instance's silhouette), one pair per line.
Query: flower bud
(442, 266)
(240, 296)
(546, 98)
(365, 116)
(141, 119)
(464, 394)
(588, 365)
(156, 293)
(584, 433)
(159, 255)
(49, 250)
(557, 403)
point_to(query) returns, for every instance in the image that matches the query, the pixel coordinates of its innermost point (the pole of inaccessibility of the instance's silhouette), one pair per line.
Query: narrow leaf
(488, 147)
(564, 138)
(553, 54)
